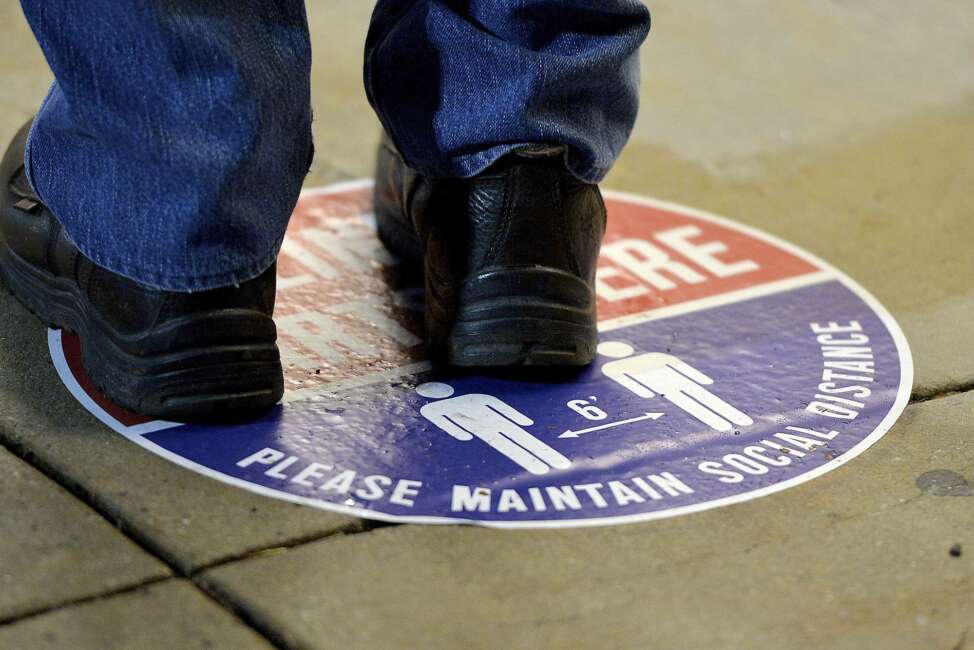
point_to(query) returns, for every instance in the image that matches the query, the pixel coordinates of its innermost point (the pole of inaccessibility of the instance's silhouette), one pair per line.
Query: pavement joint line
(72, 602)
(946, 391)
(144, 542)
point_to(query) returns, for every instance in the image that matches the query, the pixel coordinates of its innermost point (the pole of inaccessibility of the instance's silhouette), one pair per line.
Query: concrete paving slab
(733, 86)
(858, 558)
(54, 549)
(188, 519)
(172, 614)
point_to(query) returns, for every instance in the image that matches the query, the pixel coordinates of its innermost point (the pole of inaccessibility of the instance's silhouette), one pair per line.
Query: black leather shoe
(170, 355)
(509, 256)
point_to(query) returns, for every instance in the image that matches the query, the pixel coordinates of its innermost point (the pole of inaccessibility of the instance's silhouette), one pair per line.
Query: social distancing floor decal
(731, 365)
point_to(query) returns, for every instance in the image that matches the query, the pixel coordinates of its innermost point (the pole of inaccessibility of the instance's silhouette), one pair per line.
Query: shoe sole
(155, 373)
(531, 316)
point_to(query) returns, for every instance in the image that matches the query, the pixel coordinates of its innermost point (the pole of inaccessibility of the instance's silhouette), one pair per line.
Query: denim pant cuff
(472, 164)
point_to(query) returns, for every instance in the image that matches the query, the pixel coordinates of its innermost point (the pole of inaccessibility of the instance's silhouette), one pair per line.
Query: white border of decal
(135, 434)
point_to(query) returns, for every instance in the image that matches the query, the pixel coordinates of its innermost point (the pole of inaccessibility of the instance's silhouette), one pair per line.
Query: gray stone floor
(846, 128)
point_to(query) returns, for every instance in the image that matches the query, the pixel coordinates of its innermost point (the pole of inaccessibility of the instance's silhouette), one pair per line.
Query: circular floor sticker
(731, 365)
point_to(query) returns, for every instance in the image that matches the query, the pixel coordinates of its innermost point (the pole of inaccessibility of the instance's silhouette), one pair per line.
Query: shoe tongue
(540, 150)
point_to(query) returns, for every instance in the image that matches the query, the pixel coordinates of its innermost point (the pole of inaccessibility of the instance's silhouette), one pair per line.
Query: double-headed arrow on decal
(581, 432)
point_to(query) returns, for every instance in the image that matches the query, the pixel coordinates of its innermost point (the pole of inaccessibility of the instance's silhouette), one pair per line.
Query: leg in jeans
(145, 208)
(174, 141)
(501, 116)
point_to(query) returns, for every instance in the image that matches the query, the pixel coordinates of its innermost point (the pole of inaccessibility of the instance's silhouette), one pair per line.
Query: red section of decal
(345, 307)
(653, 258)
(71, 345)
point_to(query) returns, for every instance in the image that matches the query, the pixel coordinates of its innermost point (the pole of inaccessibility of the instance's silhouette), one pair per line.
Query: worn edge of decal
(135, 434)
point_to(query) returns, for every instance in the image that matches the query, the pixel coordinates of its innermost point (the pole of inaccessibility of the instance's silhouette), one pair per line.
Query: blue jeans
(174, 141)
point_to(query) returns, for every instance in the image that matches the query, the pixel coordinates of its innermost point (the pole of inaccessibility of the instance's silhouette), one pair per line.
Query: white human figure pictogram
(656, 373)
(492, 420)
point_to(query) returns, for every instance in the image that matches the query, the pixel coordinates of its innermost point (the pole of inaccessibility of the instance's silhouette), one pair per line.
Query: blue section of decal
(496, 448)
